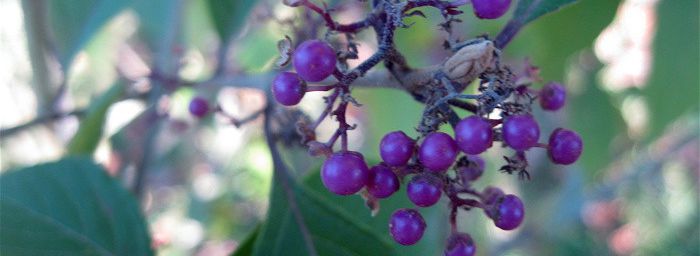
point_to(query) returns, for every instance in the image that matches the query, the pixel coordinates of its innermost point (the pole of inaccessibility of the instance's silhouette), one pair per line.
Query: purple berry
(565, 146)
(288, 88)
(199, 107)
(314, 60)
(406, 226)
(552, 96)
(474, 135)
(438, 151)
(424, 189)
(396, 148)
(383, 182)
(345, 173)
(508, 212)
(460, 244)
(521, 132)
(490, 195)
(470, 168)
(490, 9)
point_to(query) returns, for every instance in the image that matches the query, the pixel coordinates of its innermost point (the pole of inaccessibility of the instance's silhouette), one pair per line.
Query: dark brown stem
(7, 132)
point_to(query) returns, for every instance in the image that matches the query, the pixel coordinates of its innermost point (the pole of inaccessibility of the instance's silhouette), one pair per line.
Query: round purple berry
(508, 212)
(521, 132)
(438, 151)
(470, 168)
(552, 96)
(474, 135)
(383, 182)
(199, 107)
(565, 146)
(424, 189)
(490, 9)
(288, 88)
(396, 148)
(314, 60)
(406, 226)
(345, 173)
(460, 244)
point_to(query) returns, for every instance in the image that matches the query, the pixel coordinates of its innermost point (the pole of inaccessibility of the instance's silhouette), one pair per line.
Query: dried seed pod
(284, 47)
(470, 61)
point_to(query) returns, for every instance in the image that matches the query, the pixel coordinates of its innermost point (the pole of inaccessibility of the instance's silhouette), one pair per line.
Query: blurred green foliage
(660, 201)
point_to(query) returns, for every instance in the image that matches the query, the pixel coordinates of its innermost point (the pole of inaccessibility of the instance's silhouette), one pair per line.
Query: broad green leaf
(529, 10)
(90, 131)
(159, 21)
(69, 207)
(673, 88)
(330, 230)
(228, 16)
(74, 22)
(246, 247)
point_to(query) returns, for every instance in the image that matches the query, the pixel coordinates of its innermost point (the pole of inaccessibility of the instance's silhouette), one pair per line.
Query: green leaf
(160, 27)
(248, 245)
(672, 89)
(228, 16)
(74, 22)
(69, 207)
(90, 131)
(330, 230)
(529, 10)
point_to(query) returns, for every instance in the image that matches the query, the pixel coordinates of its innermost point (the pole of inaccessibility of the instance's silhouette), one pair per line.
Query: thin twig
(7, 132)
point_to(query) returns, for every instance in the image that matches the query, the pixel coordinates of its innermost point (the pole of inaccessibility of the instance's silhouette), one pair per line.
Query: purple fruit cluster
(436, 167)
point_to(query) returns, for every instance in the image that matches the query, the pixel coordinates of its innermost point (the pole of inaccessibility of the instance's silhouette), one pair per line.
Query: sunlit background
(631, 69)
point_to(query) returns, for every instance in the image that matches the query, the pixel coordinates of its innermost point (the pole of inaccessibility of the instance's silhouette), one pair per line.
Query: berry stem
(332, 25)
(468, 106)
(319, 88)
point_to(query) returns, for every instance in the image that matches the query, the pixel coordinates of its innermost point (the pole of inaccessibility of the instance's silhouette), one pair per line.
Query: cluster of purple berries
(426, 161)
(346, 173)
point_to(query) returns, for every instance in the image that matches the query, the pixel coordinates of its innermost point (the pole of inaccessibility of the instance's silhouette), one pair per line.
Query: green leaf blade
(89, 132)
(69, 207)
(331, 230)
(228, 16)
(529, 10)
(75, 22)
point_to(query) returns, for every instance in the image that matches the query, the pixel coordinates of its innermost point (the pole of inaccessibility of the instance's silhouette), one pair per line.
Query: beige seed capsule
(469, 62)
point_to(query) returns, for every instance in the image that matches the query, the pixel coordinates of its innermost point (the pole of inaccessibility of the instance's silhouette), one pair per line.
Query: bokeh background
(631, 68)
